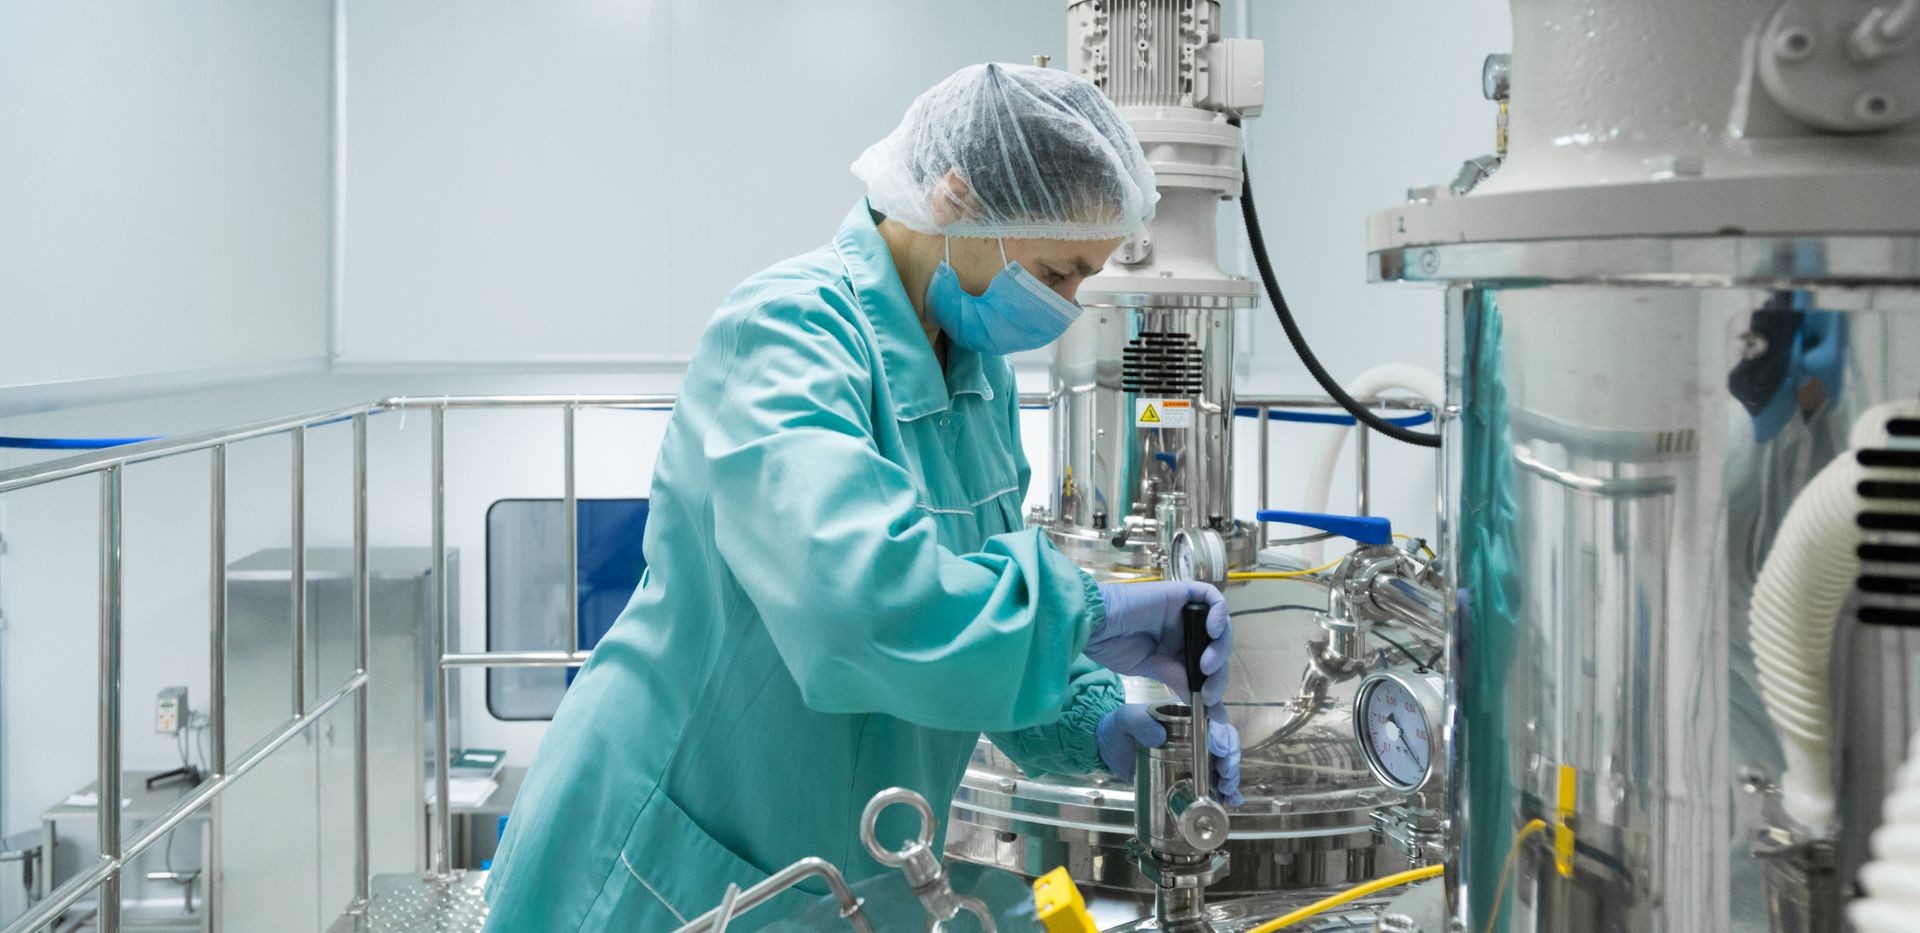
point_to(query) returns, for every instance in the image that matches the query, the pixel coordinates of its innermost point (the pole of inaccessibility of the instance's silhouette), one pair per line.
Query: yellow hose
(1249, 574)
(1351, 894)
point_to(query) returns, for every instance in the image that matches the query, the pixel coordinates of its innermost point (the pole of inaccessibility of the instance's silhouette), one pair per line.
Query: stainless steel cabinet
(286, 830)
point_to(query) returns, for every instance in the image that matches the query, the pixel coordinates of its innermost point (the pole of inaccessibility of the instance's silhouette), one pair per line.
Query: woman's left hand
(1124, 729)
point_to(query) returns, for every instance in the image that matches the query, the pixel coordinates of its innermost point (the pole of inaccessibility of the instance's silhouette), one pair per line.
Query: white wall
(585, 180)
(164, 186)
(1364, 100)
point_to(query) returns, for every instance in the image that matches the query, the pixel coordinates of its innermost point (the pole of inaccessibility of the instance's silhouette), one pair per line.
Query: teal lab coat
(840, 598)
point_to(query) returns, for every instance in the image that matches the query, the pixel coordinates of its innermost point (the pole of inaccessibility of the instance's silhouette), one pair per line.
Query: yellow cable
(1282, 574)
(1423, 544)
(1506, 868)
(1354, 893)
(1249, 574)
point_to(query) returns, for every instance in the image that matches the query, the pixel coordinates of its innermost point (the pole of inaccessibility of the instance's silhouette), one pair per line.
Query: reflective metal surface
(1115, 458)
(1308, 819)
(1623, 460)
(1238, 916)
(1702, 262)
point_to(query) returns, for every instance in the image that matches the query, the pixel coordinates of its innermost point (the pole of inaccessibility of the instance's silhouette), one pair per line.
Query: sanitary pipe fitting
(1178, 832)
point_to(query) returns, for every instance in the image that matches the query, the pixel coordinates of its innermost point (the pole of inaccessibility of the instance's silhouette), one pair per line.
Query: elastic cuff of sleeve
(1079, 723)
(1096, 611)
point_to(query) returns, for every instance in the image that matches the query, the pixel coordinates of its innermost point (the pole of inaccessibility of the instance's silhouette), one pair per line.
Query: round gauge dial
(1197, 554)
(1397, 716)
(1182, 568)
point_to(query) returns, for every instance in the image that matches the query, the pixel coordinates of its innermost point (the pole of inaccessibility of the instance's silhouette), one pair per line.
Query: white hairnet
(1041, 154)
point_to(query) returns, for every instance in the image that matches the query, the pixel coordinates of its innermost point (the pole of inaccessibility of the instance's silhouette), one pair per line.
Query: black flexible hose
(1299, 341)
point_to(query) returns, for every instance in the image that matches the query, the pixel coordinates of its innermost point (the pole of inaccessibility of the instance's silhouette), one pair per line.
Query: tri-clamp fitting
(1179, 830)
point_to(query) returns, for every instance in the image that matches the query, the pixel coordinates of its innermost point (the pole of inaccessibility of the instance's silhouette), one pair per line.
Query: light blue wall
(163, 186)
(585, 180)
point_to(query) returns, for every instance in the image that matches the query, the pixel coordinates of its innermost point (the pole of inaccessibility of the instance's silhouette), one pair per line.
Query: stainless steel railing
(104, 876)
(110, 466)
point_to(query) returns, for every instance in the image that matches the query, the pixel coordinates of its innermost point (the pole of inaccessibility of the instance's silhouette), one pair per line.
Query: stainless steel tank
(1309, 817)
(1624, 454)
(1142, 402)
(1141, 390)
(1693, 260)
(1142, 408)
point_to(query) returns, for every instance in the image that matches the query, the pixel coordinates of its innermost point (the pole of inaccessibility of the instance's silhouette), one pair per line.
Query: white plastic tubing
(1803, 583)
(1387, 377)
(1892, 879)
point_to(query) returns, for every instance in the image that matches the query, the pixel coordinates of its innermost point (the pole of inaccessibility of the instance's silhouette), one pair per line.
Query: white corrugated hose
(1892, 879)
(1803, 584)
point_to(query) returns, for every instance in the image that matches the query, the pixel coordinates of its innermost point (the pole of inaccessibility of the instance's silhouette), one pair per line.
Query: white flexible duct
(1383, 378)
(1892, 879)
(1807, 576)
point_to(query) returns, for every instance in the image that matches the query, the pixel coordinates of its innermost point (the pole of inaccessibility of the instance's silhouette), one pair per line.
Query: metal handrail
(105, 875)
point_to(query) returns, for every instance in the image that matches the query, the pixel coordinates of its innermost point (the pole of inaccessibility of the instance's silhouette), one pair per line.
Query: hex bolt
(1873, 106)
(1676, 166)
(1793, 45)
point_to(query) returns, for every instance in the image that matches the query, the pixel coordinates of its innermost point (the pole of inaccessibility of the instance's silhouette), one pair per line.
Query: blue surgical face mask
(1017, 312)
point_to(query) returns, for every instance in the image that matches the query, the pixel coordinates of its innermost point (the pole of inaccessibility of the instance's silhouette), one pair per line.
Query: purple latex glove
(1141, 635)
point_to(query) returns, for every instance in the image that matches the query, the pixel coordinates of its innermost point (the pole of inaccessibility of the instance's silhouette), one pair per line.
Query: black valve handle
(1193, 624)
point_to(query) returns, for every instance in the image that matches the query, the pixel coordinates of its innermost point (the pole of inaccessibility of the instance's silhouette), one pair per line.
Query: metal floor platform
(412, 904)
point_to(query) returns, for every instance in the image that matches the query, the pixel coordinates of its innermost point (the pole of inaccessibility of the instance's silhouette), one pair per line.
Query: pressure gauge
(1397, 716)
(1197, 554)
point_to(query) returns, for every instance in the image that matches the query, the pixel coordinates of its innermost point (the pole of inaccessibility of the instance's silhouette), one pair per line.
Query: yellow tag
(1563, 821)
(1149, 416)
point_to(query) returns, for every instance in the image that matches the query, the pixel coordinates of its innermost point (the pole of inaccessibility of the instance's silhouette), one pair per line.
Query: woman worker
(840, 595)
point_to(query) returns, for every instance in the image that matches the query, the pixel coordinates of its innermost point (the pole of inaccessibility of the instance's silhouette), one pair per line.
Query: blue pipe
(1307, 417)
(69, 443)
(102, 443)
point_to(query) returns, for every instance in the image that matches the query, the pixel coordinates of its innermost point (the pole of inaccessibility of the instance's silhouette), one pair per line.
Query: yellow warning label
(1163, 413)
